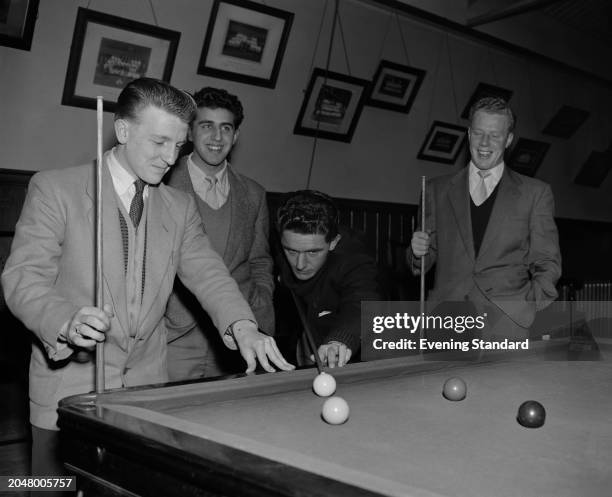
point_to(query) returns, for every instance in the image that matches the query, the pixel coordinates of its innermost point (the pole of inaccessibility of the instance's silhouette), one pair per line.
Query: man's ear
(236, 133)
(122, 130)
(334, 242)
(509, 139)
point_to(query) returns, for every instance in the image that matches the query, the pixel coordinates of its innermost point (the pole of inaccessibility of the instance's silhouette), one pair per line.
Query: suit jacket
(247, 252)
(50, 274)
(519, 261)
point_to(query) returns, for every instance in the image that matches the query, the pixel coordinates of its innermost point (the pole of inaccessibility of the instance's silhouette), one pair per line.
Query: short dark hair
(217, 98)
(143, 92)
(494, 105)
(308, 212)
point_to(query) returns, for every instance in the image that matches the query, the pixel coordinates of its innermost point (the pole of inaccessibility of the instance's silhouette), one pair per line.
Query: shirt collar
(493, 178)
(198, 173)
(122, 179)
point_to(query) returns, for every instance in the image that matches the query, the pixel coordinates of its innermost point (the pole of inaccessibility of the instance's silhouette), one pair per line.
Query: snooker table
(263, 434)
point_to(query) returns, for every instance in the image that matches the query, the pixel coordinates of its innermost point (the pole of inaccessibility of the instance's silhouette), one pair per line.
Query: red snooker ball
(531, 414)
(454, 389)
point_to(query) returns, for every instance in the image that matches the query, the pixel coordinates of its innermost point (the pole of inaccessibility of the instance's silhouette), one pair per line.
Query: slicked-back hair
(217, 98)
(308, 212)
(494, 105)
(142, 92)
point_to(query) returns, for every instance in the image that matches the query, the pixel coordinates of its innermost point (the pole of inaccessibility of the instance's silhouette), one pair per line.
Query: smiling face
(306, 254)
(213, 135)
(149, 144)
(489, 136)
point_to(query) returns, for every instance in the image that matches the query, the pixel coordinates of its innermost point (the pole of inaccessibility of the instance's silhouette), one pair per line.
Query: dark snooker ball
(454, 389)
(531, 414)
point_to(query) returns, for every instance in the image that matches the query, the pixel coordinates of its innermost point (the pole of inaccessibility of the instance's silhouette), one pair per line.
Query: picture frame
(395, 86)
(332, 105)
(108, 52)
(443, 143)
(17, 20)
(595, 169)
(245, 42)
(566, 122)
(486, 90)
(527, 156)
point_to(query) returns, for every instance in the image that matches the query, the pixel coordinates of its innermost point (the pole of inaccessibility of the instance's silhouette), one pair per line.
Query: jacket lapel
(238, 223)
(160, 235)
(459, 197)
(112, 245)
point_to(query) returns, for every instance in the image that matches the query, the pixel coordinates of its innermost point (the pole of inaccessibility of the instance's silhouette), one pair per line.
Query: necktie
(137, 202)
(480, 192)
(212, 199)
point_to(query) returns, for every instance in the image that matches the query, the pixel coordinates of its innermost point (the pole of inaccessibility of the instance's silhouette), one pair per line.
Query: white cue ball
(335, 410)
(324, 385)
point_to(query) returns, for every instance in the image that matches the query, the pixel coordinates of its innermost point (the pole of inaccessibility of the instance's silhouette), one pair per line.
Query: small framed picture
(332, 105)
(527, 155)
(594, 171)
(108, 52)
(17, 20)
(395, 86)
(566, 122)
(485, 90)
(245, 41)
(443, 143)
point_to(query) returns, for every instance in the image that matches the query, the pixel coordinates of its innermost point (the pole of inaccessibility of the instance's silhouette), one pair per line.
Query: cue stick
(309, 337)
(422, 295)
(99, 285)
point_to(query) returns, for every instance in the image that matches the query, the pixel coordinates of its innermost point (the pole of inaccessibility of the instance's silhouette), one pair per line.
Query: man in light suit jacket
(490, 231)
(235, 217)
(151, 233)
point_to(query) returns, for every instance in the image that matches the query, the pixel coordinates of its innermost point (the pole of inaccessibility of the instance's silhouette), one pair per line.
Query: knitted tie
(480, 193)
(137, 202)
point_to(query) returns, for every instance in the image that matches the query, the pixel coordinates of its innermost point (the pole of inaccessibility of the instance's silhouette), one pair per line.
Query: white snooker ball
(324, 385)
(335, 411)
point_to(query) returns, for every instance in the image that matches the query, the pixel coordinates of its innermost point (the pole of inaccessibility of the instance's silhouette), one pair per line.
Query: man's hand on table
(334, 353)
(255, 346)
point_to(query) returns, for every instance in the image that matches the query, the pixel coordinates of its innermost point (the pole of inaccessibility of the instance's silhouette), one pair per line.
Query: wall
(37, 132)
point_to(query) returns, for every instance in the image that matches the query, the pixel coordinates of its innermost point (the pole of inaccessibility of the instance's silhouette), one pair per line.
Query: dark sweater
(332, 298)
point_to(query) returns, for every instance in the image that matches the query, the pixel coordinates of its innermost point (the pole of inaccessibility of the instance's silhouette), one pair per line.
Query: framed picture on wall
(332, 105)
(566, 122)
(485, 90)
(17, 20)
(594, 171)
(108, 52)
(527, 155)
(395, 86)
(245, 41)
(443, 143)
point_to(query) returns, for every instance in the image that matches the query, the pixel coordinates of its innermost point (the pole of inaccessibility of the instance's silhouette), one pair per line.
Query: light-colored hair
(494, 105)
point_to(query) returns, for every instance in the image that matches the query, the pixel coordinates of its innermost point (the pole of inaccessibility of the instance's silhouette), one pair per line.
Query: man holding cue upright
(151, 233)
(490, 231)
